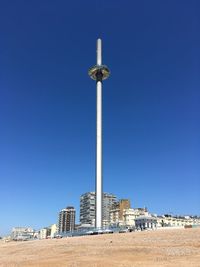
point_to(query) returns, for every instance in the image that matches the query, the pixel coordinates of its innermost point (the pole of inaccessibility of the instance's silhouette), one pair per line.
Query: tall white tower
(99, 73)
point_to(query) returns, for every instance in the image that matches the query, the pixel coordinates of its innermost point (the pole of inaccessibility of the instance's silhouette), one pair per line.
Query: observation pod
(99, 72)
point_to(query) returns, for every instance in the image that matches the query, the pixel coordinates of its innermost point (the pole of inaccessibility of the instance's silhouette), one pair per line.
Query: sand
(137, 249)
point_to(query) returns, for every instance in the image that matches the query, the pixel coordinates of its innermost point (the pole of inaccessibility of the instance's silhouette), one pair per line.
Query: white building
(54, 230)
(128, 216)
(176, 221)
(43, 233)
(145, 222)
(22, 233)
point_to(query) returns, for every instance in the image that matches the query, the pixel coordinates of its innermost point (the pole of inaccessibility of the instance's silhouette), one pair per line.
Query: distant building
(176, 221)
(48, 232)
(66, 220)
(146, 222)
(54, 230)
(108, 201)
(45, 233)
(129, 215)
(22, 233)
(117, 211)
(87, 208)
(123, 204)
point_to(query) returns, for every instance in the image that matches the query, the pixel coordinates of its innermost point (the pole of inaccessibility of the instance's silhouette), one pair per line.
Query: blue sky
(47, 106)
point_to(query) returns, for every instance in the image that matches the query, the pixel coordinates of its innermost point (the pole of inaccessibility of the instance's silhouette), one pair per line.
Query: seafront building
(145, 222)
(45, 233)
(176, 221)
(130, 215)
(133, 218)
(66, 220)
(88, 208)
(116, 213)
(54, 230)
(22, 233)
(121, 216)
(108, 201)
(48, 232)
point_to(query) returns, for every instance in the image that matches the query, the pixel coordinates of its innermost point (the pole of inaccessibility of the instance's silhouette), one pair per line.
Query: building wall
(123, 204)
(66, 220)
(54, 230)
(176, 222)
(22, 233)
(87, 207)
(108, 201)
(117, 211)
(145, 222)
(114, 217)
(43, 233)
(128, 216)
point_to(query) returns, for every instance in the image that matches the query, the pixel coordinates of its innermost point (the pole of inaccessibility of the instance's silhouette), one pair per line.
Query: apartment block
(66, 221)
(88, 208)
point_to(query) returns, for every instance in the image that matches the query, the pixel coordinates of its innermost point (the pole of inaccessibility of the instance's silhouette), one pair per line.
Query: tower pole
(99, 186)
(99, 73)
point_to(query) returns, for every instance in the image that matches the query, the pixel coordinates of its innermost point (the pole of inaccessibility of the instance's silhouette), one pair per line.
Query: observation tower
(99, 72)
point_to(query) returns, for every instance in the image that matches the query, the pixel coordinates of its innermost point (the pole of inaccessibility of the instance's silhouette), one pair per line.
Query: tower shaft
(99, 184)
(99, 174)
(98, 73)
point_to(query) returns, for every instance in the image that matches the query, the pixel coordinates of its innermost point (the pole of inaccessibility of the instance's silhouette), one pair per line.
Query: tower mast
(99, 73)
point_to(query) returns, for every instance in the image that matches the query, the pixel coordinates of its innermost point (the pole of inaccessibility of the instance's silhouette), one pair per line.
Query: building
(122, 205)
(66, 220)
(145, 222)
(54, 230)
(108, 201)
(88, 208)
(168, 220)
(22, 233)
(45, 233)
(129, 215)
(48, 232)
(117, 211)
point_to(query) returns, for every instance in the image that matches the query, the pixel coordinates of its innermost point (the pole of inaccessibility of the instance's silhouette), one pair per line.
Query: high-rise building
(66, 220)
(108, 201)
(88, 207)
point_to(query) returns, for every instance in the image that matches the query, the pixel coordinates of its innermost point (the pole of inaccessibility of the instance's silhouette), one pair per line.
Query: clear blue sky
(47, 106)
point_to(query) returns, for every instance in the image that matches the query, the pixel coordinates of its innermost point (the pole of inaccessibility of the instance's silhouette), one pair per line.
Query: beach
(174, 247)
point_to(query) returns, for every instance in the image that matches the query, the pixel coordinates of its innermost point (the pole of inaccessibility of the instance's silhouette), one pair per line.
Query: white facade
(43, 233)
(54, 230)
(172, 221)
(128, 218)
(129, 215)
(22, 233)
(145, 222)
